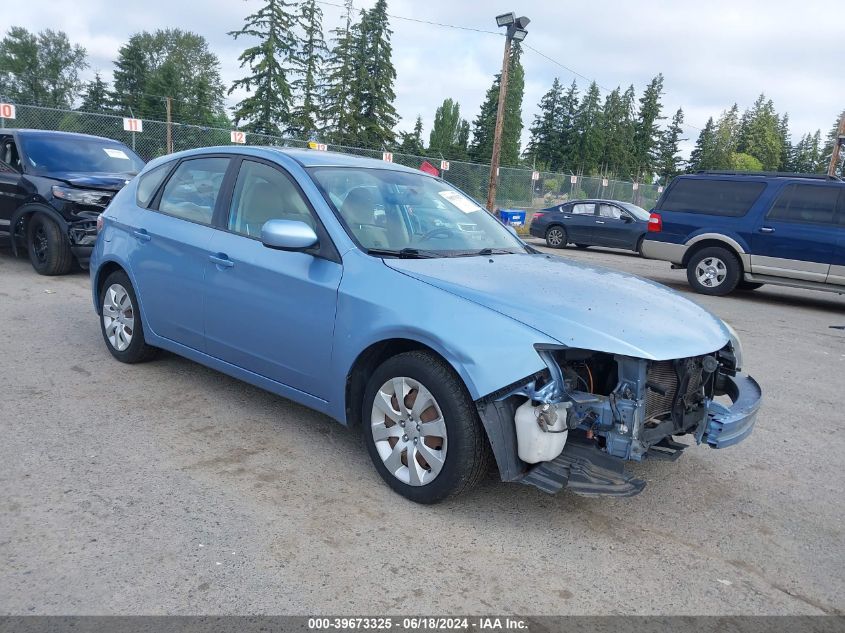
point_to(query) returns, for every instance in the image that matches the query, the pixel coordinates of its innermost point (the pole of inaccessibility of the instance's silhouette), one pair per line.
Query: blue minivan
(736, 230)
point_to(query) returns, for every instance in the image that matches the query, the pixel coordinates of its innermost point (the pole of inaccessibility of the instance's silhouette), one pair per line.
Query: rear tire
(120, 321)
(639, 248)
(49, 250)
(714, 271)
(444, 441)
(556, 237)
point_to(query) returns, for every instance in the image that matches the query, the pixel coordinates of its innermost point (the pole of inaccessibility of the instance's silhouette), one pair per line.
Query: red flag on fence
(429, 168)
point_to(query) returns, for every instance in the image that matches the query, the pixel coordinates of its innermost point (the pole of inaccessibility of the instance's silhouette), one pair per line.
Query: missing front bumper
(727, 426)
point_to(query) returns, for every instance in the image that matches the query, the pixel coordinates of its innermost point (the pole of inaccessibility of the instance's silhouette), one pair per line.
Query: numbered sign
(236, 136)
(604, 182)
(660, 190)
(320, 147)
(444, 165)
(133, 125)
(573, 180)
(7, 111)
(387, 157)
(636, 186)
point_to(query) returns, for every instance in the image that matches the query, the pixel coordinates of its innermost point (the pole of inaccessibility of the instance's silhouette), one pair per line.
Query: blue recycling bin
(512, 217)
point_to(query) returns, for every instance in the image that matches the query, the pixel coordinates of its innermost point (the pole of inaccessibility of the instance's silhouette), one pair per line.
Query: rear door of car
(798, 234)
(836, 275)
(579, 219)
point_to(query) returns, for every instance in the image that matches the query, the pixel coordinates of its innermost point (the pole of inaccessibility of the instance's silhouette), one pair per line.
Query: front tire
(120, 322)
(556, 237)
(49, 250)
(422, 430)
(714, 271)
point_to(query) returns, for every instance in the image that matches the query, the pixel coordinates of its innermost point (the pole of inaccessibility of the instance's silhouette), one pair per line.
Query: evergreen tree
(567, 138)
(646, 131)
(40, 69)
(339, 101)
(268, 109)
(411, 142)
(481, 149)
(461, 150)
(376, 75)
(444, 137)
(617, 131)
(704, 153)
(543, 147)
(308, 63)
(588, 126)
(759, 135)
(95, 96)
(785, 156)
(830, 141)
(727, 132)
(668, 161)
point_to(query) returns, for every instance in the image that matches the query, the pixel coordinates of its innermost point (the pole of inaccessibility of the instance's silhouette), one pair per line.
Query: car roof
(55, 133)
(757, 176)
(305, 157)
(593, 200)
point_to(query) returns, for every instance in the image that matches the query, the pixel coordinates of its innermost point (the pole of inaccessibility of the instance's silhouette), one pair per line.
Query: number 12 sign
(237, 136)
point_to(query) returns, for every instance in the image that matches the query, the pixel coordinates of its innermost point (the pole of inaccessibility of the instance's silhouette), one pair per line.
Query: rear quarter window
(731, 198)
(149, 183)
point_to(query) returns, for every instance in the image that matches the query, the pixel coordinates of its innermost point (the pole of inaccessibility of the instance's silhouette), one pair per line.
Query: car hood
(579, 305)
(107, 182)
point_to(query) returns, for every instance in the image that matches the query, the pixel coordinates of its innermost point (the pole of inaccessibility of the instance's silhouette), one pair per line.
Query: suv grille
(663, 382)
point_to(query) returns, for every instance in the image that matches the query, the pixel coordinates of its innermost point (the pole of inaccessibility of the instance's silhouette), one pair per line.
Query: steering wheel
(441, 231)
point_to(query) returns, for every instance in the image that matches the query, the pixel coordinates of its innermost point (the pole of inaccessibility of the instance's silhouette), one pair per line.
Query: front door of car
(270, 311)
(579, 219)
(796, 239)
(11, 192)
(169, 250)
(611, 229)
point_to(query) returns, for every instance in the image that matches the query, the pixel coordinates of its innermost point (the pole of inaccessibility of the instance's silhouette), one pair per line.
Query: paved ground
(169, 488)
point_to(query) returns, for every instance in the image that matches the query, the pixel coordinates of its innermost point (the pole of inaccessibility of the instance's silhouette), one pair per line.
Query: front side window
(732, 198)
(610, 212)
(389, 210)
(814, 204)
(9, 158)
(148, 184)
(583, 209)
(264, 193)
(192, 190)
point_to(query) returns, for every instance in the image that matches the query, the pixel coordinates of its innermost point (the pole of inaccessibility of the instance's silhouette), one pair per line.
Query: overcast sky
(711, 53)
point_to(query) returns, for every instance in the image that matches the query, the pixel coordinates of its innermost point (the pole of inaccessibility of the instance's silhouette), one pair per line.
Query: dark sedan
(592, 223)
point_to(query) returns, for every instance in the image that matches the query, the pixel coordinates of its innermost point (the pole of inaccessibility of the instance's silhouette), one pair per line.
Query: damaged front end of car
(576, 423)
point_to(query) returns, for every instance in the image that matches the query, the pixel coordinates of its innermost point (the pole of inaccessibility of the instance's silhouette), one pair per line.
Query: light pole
(516, 31)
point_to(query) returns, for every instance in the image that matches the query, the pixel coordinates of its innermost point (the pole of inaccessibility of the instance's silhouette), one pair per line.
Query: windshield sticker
(461, 202)
(116, 153)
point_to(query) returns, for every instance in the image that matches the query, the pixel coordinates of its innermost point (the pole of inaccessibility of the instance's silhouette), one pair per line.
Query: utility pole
(516, 31)
(168, 102)
(838, 144)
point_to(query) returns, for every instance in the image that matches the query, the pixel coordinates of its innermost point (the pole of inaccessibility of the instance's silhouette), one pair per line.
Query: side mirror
(287, 235)
(627, 218)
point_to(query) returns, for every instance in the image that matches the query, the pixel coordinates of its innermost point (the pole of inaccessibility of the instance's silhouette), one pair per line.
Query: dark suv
(735, 230)
(53, 187)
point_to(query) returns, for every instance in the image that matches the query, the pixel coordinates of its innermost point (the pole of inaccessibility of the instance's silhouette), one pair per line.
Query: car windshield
(391, 212)
(52, 154)
(637, 212)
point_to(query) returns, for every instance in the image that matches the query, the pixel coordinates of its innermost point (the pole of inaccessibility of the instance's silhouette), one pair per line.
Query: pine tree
(411, 142)
(339, 101)
(668, 161)
(376, 75)
(785, 156)
(830, 141)
(703, 155)
(268, 109)
(95, 96)
(727, 133)
(758, 134)
(617, 131)
(443, 139)
(646, 132)
(567, 138)
(308, 64)
(543, 147)
(588, 127)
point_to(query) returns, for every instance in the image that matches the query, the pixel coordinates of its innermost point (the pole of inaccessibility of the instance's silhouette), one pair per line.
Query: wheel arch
(100, 276)
(707, 240)
(25, 213)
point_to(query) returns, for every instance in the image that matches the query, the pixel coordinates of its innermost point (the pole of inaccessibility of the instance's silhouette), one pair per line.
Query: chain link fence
(518, 188)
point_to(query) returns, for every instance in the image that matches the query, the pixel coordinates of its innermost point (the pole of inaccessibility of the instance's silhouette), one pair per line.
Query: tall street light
(516, 31)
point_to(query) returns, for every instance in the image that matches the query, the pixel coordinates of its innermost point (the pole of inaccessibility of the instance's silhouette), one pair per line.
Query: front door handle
(141, 235)
(599, 222)
(221, 260)
(766, 229)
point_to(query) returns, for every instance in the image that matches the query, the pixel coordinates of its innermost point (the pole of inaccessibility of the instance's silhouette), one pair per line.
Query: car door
(170, 243)
(796, 238)
(579, 220)
(270, 311)
(836, 275)
(610, 227)
(11, 191)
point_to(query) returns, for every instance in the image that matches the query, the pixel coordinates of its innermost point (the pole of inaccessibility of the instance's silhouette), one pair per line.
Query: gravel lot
(170, 488)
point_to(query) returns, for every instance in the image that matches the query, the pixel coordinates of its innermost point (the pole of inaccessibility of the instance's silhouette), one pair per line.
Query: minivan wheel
(713, 271)
(49, 250)
(421, 428)
(121, 324)
(556, 237)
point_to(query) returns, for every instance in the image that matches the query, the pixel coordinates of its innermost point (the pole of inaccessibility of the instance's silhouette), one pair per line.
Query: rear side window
(712, 197)
(814, 204)
(191, 192)
(148, 184)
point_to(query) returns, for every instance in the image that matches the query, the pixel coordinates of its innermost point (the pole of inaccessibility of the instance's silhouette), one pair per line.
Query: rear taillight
(99, 223)
(537, 215)
(655, 223)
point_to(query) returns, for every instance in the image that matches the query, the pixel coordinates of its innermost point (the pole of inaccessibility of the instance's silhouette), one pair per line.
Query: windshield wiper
(405, 253)
(494, 251)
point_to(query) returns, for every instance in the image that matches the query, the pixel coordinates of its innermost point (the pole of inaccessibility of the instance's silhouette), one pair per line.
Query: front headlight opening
(736, 345)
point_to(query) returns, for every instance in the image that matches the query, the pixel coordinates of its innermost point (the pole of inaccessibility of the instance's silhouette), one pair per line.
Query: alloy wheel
(118, 317)
(711, 272)
(554, 237)
(40, 244)
(409, 431)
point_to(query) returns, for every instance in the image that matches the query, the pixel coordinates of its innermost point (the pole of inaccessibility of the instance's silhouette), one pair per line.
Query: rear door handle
(599, 222)
(221, 260)
(766, 229)
(141, 235)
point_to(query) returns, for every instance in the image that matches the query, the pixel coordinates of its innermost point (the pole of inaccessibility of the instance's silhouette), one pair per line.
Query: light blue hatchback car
(387, 299)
